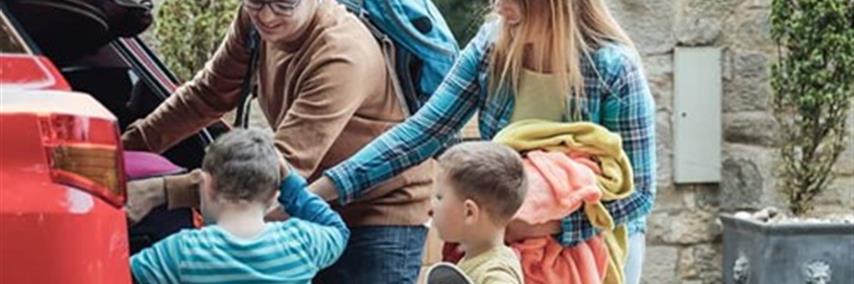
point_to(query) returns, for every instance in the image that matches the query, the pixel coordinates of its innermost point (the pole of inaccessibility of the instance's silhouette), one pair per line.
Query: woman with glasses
(325, 91)
(556, 60)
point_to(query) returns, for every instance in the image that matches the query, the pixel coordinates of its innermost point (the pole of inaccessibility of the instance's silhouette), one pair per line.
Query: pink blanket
(559, 184)
(141, 165)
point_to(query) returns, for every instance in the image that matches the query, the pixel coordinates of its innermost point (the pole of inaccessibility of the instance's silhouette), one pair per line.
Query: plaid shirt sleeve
(422, 135)
(629, 111)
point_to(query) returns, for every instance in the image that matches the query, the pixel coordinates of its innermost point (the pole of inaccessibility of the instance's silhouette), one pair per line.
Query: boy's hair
(244, 165)
(489, 173)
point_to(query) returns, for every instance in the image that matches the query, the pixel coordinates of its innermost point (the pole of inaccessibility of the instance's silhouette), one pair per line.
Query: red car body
(62, 183)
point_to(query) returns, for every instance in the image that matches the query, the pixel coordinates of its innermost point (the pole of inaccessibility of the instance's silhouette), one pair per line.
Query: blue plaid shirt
(616, 96)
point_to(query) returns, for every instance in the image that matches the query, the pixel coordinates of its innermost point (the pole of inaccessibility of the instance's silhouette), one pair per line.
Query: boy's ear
(471, 211)
(207, 184)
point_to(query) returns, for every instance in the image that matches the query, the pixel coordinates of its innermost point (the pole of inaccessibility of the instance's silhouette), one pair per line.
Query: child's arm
(158, 263)
(327, 241)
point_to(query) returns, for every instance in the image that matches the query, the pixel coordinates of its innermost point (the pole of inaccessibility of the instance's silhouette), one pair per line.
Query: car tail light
(84, 153)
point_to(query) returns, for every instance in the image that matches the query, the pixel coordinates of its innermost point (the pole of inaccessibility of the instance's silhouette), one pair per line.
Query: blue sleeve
(326, 234)
(424, 134)
(629, 112)
(158, 263)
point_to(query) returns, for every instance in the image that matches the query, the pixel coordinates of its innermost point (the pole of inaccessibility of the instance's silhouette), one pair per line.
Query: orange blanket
(544, 260)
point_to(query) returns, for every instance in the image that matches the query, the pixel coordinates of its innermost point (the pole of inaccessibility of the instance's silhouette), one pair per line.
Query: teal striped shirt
(293, 251)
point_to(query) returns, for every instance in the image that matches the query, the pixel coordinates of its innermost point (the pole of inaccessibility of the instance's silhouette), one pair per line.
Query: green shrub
(813, 91)
(463, 16)
(188, 32)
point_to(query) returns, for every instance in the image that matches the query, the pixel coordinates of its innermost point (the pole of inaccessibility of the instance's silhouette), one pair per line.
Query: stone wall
(684, 237)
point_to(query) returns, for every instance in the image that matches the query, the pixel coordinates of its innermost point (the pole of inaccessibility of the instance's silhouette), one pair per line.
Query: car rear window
(10, 41)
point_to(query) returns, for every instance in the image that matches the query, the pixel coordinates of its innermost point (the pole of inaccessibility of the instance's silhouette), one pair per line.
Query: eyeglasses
(279, 7)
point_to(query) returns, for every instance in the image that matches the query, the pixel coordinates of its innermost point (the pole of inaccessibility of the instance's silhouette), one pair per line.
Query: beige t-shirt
(498, 265)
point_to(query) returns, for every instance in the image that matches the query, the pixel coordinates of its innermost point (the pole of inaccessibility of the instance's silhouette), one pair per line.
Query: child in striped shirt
(242, 172)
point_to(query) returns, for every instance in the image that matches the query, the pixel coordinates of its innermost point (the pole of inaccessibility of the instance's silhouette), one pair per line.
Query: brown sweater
(326, 96)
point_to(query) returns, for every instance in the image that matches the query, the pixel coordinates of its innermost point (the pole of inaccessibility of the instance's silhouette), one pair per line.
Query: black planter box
(756, 252)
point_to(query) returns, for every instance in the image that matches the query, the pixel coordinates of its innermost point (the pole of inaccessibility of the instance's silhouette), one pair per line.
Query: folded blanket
(615, 180)
(570, 165)
(560, 184)
(544, 260)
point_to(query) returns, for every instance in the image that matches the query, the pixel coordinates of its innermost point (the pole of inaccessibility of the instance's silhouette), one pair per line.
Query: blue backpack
(417, 43)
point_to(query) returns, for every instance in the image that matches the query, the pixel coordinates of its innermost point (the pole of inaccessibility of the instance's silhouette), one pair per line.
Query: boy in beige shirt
(480, 186)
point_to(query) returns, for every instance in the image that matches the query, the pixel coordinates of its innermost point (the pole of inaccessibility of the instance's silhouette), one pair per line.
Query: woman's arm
(630, 112)
(419, 137)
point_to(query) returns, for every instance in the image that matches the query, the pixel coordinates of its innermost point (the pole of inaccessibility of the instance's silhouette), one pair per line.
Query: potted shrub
(813, 83)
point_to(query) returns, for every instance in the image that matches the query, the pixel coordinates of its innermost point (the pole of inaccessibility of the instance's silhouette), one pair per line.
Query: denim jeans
(634, 263)
(379, 254)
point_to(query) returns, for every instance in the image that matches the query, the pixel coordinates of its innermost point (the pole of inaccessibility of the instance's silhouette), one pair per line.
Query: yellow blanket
(614, 180)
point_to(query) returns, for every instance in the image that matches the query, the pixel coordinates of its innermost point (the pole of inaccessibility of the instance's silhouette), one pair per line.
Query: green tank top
(539, 97)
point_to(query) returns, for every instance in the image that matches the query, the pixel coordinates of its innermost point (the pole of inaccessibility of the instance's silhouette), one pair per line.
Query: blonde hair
(554, 36)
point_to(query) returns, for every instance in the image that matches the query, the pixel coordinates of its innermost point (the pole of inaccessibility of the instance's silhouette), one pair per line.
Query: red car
(68, 85)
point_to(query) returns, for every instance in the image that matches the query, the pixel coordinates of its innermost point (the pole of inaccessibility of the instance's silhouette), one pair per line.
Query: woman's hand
(519, 230)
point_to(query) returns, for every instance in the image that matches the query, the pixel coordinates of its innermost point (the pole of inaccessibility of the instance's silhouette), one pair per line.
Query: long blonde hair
(555, 36)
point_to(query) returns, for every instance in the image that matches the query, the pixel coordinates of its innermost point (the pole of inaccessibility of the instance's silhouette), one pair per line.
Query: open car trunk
(94, 45)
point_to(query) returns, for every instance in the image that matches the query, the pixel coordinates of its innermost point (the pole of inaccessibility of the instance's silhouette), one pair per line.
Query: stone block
(748, 177)
(668, 197)
(837, 196)
(664, 148)
(749, 29)
(648, 22)
(701, 22)
(700, 263)
(741, 184)
(660, 265)
(757, 128)
(659, 73)
(695, 226)
(746, 85)
(690, 226)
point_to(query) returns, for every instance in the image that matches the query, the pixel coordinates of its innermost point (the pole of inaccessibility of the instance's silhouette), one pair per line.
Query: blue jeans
(379, 254)
(634, 263)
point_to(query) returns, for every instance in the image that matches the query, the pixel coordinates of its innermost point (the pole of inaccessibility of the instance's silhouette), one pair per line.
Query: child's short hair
(489, 173)
(244, 165)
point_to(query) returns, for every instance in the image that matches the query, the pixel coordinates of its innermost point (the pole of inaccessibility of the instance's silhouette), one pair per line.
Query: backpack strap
(389, 51)
(354, 6)
(388, 46)
(253, 41)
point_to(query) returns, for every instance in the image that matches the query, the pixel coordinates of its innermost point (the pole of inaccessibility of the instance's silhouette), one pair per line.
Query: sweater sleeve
(214, 91)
